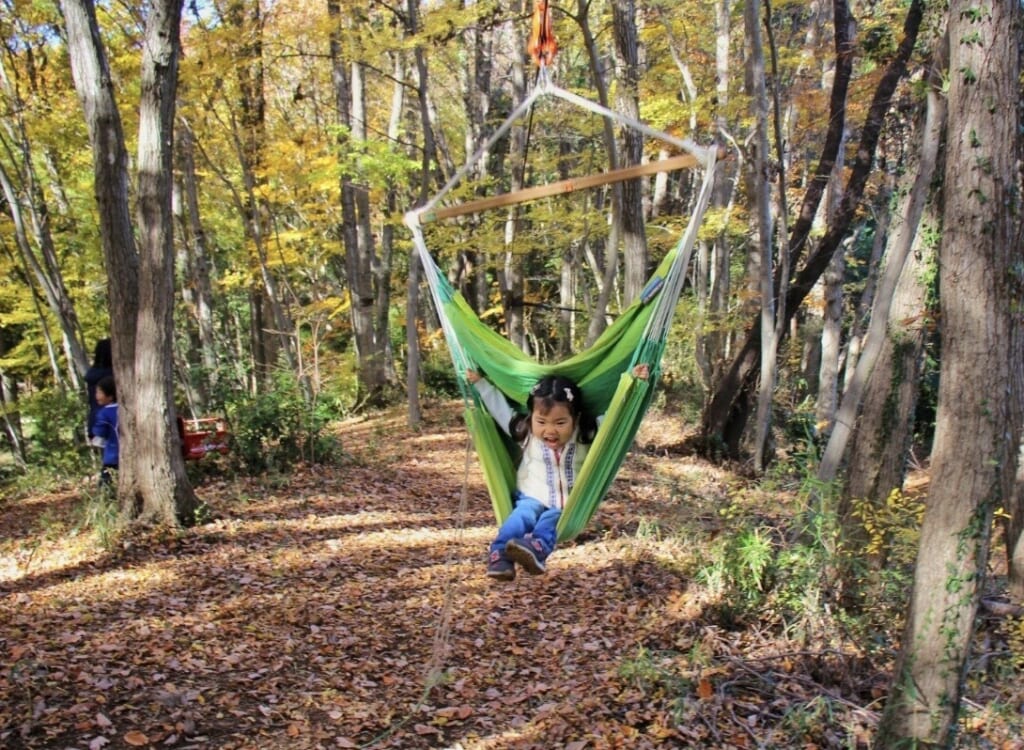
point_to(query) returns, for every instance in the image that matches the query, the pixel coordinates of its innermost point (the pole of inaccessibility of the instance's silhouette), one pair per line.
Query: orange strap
(542, 45)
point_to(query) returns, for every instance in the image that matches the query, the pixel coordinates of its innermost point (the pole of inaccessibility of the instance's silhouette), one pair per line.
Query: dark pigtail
(519, 427)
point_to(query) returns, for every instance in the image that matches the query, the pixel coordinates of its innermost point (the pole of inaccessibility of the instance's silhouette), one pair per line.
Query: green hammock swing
(604, 370)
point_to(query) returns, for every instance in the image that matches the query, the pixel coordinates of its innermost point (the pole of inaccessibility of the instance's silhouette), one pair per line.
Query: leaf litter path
(310, 611)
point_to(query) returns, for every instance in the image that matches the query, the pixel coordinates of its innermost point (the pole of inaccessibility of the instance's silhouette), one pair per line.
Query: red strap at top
(542, 45)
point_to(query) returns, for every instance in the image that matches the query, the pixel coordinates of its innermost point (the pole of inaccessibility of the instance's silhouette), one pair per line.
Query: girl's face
(553, 426)
(103, 398)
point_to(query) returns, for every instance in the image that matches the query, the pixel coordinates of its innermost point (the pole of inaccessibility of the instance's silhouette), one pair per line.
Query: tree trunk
(362, 258)
(881, 442)
(763, 212)
(831, 284)
(25, 194)
(199, 257)
(509, 272)
(350, 108)
(633, 228)
(110, 164)
(382, 272)
(862, 311)
(267, 314)
(713, 261)
(478, 95)
(977, 428)
(1013, 526)
(11, 414)
(1013, 529)
(47, 273)
(831, 343)
(889, 331)
(159, 468)
(608, 267)
(429, 155)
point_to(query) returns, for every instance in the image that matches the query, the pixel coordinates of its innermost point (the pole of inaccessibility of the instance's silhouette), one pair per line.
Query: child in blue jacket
(105, 426)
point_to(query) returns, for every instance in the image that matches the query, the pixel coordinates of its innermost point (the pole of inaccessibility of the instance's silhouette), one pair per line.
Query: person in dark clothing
(102, 367)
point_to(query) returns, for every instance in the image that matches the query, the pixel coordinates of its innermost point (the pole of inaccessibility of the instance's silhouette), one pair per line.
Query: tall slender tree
(762, 201)
(627, 54)
(361, 257)
(30, 212)
(883, 327)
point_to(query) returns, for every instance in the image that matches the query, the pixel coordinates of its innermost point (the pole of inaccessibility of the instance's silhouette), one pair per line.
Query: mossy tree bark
(978, 418)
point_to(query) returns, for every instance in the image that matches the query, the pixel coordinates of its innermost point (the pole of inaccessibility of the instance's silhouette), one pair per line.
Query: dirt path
(347, 607)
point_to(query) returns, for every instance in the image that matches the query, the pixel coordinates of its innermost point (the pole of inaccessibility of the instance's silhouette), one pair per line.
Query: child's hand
(472, 376)
(642, 372)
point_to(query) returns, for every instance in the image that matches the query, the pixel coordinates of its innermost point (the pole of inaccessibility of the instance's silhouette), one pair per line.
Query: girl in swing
(555, 436)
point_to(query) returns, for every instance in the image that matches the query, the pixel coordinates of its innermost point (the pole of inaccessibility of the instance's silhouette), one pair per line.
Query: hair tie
(568, 394)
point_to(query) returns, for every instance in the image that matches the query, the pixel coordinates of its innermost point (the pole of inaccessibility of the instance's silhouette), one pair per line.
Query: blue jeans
(529, 516)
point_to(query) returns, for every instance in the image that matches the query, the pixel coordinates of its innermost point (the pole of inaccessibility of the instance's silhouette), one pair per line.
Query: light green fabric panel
(495, 459)
(606, 454)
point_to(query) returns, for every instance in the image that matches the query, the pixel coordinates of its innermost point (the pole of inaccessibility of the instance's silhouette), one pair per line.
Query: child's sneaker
(529, 553)
(500, 567)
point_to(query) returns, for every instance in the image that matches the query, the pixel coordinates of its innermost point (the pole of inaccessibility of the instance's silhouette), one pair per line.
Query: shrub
(54, 425)
(274, 430)
(438, 374)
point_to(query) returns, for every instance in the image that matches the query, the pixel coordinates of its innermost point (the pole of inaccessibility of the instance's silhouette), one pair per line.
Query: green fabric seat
(604, 374)
(603, 371)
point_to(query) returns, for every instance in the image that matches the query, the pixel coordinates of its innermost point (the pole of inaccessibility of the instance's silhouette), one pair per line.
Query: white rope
(544, 87)
(481, 152)
(685, 144)
(660, 321)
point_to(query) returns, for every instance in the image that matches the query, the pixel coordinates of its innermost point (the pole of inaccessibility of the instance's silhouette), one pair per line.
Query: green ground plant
(658, 674)
(99, 513)
(274, 430)
(53, 421)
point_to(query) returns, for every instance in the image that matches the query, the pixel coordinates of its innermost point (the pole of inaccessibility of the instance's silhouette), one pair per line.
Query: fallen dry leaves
(347, 608)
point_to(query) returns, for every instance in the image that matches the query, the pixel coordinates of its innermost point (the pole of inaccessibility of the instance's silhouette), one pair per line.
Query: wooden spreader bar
(682, 161)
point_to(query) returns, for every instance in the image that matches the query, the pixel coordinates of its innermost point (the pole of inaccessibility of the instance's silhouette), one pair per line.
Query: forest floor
(347, 607)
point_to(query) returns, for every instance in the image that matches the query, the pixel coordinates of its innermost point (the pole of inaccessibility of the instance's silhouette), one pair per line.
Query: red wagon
(202, 436)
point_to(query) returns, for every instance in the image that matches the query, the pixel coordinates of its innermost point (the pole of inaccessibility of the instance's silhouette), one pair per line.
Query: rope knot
(542, 45)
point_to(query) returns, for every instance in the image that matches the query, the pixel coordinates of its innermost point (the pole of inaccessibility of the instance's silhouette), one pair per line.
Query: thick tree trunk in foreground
(152, 484)
(978, 421)
(163, 488)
